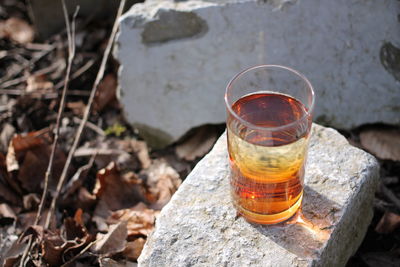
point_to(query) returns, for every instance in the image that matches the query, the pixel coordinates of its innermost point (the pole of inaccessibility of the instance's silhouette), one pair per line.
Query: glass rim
(247, 123)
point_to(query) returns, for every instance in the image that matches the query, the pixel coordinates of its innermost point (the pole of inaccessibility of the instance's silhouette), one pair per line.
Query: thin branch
(80, 253)
(71, 55)
(77, 138)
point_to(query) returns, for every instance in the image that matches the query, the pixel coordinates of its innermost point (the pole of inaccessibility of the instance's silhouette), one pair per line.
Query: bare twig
(71, 54)
(77, 73)
(85, 115)
(91, 126)
(80, 253)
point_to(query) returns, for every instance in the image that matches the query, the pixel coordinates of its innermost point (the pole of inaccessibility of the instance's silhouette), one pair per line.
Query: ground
(116, 184)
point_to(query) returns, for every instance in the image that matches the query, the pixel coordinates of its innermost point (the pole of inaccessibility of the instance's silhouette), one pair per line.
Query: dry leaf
(6, 192)
(142, 151)
(118, 191)
(38, 83)
(134, 248)
(30, 201)
(106, 92)
(388, 223)
(198, 144)
(11, 159)
(78, 108)
(112, 242)
(383, 143)
(140, 219)
(5, 136)
(37, 159)
(12, 254)
(162, 182)
(17, 30)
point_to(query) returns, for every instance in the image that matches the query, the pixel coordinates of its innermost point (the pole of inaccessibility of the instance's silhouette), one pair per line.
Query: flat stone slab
(200, 227)
(177, 58)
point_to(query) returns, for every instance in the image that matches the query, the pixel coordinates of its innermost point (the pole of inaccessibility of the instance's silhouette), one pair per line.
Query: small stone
(177, 58)
(199, 226)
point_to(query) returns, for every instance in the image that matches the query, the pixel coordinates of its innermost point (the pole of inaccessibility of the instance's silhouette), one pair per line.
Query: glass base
(270, 218)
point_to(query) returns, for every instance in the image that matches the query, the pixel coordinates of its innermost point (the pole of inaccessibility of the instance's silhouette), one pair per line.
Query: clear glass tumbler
(269, 117)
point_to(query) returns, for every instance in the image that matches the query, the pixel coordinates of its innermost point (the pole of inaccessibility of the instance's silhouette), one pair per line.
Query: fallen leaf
(106, 92)
(383, 143)
(10, 256)
(5, 136)
(140, 220)
(17, 30)
(118, 191)
(134, 248)
(388, 223)
(11, 159)
(78, 178)
(112, 242)
(78, 107)
(6, 192)
(7, 215)
(30, 201)
(38, 83)
(38, 159)
(162, 182)
(198, 144)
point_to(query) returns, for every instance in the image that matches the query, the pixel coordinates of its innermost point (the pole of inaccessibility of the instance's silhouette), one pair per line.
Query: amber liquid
(267, 165)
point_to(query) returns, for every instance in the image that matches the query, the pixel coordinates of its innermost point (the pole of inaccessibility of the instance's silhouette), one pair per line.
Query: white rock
(177, 58)
(199, 227)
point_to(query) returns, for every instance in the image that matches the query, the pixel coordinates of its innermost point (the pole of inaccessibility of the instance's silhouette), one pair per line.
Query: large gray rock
(199, 227)
(177, 58)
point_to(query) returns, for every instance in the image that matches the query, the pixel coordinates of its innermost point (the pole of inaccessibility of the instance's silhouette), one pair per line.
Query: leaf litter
(116, 185)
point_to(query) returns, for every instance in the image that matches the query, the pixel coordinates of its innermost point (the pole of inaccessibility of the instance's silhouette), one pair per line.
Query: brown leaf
(6, 192)
(7, 215)
(5, 136)
(198, 144)
(38, 83)
(388, 223)
(30, 201)
(162, 181)
(134, 248)
(118, 191)
(11, 255)
(140, 219)
(38, 159)
(17, 30)
(11, 159)
(383, 143)
(30, 152)
(53, 248)
(112, 242)
(106, 92)
(78, 107)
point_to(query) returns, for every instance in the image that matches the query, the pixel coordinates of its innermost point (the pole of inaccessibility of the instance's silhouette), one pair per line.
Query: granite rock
(199, 226)
(177, 58)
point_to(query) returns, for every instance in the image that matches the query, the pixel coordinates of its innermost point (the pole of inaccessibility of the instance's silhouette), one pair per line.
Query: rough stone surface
(177, 58)
(199, 227)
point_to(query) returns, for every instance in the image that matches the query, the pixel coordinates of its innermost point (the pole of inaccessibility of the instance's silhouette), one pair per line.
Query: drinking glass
(269, 117)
